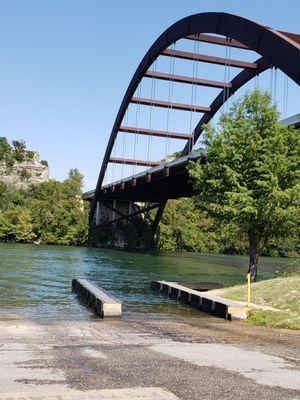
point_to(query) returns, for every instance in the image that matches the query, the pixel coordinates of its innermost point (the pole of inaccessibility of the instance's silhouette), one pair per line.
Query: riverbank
(280, 295)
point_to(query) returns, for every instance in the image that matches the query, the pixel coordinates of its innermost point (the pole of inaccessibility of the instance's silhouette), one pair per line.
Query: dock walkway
(101, 302)
(203, 301)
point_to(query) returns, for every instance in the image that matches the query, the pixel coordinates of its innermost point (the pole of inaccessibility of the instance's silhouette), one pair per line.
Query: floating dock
(100, 301)
(202, 301)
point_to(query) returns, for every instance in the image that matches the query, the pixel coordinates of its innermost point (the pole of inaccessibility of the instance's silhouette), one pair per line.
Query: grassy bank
(281, 293)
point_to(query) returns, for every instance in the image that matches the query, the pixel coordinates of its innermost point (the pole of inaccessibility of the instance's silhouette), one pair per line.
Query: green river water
(35, 280)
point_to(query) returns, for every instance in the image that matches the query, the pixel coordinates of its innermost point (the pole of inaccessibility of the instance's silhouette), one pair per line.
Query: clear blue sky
(65, 65)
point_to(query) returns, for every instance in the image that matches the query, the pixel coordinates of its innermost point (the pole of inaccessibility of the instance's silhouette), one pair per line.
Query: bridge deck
(168, 180)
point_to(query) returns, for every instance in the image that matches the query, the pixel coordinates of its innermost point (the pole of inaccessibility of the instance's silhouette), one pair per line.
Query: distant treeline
(184, 227)
(51, 212)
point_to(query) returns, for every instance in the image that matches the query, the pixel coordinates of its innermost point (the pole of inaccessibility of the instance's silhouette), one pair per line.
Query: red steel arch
(277, 49)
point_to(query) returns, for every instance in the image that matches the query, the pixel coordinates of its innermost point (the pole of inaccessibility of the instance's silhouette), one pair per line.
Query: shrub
(24, 174)
(19, 145)
(30, 154)
(19, 156)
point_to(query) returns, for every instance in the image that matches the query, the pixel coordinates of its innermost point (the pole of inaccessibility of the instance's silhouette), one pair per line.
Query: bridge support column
(120, 223)
(115, 207)
(97, 215)
(130, 207)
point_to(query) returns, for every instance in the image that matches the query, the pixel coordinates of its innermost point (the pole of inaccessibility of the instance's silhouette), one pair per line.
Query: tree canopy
(14, 152)
(51, 212)
(251, 175)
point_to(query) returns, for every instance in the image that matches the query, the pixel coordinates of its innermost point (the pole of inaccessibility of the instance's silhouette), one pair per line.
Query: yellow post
(248, 289)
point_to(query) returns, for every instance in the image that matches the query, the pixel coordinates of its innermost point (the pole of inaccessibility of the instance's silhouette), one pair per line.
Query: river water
(35, 280)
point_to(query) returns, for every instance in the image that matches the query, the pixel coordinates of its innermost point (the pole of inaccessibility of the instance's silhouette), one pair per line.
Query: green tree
(24, 174)
(251, 176)
(184, 227)
(30, 154)
(74, 183)
(5, 148)
(16, 225)
(51, 212)
(19, 156)
(59, 215)
(19, 145)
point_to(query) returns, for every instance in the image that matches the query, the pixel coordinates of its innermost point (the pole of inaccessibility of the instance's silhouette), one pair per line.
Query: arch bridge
(206, 58)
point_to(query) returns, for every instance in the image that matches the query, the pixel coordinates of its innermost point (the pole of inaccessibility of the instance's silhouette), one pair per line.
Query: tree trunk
(253, 258)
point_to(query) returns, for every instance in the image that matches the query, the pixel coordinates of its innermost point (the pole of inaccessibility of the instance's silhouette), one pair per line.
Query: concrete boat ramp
(147, 359)
(194, 294)
(151, 393)
(203, 301)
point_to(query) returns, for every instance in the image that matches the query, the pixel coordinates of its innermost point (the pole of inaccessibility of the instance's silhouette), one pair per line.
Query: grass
(281, 293)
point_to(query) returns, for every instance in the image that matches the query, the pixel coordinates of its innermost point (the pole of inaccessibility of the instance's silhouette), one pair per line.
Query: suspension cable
(170, 99)
(153, 86)
(228, 75)
(275, 86)
(137, 119)
(256, 81)
(225, 76)
(271, 81)
(192, 98)
(195, 95)
(285, 95)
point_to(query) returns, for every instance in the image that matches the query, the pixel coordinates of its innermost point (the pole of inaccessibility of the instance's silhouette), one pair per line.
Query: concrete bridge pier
(114, 211)
(119, 223)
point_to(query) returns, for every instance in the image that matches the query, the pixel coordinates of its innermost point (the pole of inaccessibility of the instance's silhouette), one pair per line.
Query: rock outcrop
(23, 174)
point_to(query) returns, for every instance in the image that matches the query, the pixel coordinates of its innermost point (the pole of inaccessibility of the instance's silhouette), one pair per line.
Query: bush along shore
(51, 212)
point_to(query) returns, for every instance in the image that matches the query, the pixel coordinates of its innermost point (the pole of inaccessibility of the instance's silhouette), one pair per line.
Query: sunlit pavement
(146, 359)
(114, 394)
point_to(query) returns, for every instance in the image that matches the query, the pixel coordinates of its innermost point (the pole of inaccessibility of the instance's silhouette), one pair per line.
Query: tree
(16, 225)
(59, 215)
(5, 148)
(183, 227)
(50, 212)
(74, 183)
(19, 145)
(251, 176)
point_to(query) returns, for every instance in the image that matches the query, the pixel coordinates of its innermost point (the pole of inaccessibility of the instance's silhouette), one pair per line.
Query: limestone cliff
(20, 167)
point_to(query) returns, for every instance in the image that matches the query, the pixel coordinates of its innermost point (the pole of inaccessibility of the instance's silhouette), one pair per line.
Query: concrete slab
(55, 358)
(151, 393)
(20, 368)
(263, 368)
